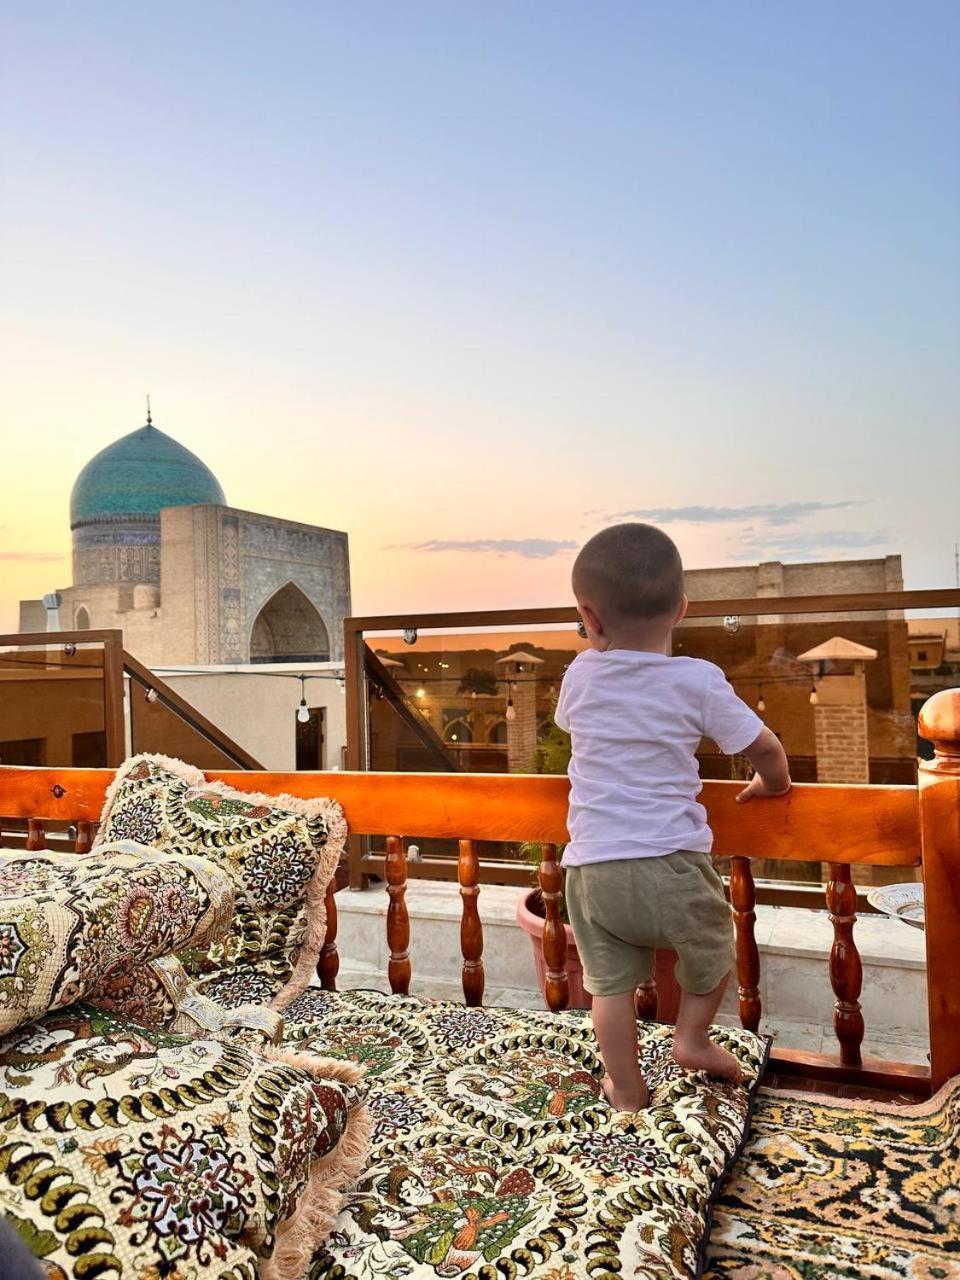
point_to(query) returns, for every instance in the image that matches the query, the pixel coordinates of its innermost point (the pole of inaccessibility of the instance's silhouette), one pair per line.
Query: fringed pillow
(70, 923)
(279, 852)
(133, 1152)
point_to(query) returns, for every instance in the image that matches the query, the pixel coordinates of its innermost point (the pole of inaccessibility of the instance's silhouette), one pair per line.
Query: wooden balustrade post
(550, 877)
(940, 839)
(471, 929)
(743, 899)
(36, 834)
(846, 970)
(357, 712)
(114, 720)
(328, 965)
(398, 922)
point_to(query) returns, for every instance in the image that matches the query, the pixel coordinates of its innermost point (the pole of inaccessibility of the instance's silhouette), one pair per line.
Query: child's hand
(757, 787)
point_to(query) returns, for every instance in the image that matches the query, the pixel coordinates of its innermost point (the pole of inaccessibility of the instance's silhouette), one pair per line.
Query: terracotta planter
(531, 921)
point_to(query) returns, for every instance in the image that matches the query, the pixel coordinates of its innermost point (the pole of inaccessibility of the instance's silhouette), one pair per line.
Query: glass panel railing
(160, 730)
(52, 706)
(841, 688)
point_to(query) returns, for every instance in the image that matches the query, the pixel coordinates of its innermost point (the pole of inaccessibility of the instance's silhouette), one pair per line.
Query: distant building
(189, 580)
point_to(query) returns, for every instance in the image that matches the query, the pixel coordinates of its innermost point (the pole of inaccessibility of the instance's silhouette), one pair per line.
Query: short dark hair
(630, 571)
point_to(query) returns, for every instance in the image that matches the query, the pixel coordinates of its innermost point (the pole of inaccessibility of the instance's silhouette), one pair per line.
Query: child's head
(628, 581)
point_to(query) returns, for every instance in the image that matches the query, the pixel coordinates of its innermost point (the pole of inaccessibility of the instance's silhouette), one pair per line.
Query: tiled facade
(209, 574)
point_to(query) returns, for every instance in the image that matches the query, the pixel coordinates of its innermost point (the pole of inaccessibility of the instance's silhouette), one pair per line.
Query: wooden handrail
(815, 823)
(747, 607)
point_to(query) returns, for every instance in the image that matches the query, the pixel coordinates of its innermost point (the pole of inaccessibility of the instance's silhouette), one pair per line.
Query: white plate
(905, 901)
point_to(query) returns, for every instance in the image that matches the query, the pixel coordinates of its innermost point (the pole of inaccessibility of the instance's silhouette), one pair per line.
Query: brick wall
(841, 738)
(522, 730)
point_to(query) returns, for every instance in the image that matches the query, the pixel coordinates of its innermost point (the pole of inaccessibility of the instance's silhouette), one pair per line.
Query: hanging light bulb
(303, 711)
(814, 696)
(761, 705)
(510, 713)
(421, 692)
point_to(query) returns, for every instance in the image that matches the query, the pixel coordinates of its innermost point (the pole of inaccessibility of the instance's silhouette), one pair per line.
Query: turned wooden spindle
(84, 840)
(554, 933)
(939, 780)
(645, 1001)
(398, 922)
(471, 929)
(328, 965)
(846, 971)
(36, 834)
(743, 899)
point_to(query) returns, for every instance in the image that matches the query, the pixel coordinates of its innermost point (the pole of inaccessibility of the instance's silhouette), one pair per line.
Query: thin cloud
(528, 548)
(768, 513)
(32, 555)
(834, 542)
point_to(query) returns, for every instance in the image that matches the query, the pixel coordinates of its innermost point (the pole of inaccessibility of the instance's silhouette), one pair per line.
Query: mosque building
(189, 580)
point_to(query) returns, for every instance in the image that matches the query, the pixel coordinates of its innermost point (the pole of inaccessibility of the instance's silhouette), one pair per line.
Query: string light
(303, 711)
(814, 696)
(510, 713)
(761, 705)
(421, 692)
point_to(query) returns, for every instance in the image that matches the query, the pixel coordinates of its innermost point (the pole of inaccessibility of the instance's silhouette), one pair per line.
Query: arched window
(497, 734)
(458, 731)
(289, 629)
(81, 621)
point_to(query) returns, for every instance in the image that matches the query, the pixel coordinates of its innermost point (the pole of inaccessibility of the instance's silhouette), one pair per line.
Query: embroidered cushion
(70, 922)
(279, 852)
(135, 1153)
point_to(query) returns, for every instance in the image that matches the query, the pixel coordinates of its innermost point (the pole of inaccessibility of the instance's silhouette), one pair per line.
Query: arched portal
(458, 731)
(289, 629)
(81, 621)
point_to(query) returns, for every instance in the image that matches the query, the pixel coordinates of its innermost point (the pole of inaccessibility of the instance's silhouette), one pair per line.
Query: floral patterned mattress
(495, 1155)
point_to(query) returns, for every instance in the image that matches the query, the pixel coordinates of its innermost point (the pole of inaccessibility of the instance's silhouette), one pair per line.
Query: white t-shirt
(636, 720)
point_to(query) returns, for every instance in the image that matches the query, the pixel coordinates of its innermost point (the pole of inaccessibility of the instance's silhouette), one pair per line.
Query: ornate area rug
(831, 1189)
(495, 1155)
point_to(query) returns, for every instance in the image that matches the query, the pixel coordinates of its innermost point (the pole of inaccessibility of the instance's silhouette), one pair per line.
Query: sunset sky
(470, 280)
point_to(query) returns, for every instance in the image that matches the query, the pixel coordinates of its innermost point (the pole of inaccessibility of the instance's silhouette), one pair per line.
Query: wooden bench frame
(839, 825)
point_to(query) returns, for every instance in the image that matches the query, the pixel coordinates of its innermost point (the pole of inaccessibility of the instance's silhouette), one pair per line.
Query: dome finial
(149, 419)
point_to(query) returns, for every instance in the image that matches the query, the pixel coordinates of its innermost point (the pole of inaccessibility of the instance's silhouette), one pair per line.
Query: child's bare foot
(622, 1101)
(704, 1055)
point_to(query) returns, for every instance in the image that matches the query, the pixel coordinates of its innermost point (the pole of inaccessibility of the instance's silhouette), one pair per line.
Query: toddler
(638, 869)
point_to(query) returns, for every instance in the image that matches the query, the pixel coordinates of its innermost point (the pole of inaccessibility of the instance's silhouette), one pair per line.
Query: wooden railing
(842, 825)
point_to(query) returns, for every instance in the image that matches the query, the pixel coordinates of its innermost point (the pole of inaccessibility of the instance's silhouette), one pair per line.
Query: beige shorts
(622, 911)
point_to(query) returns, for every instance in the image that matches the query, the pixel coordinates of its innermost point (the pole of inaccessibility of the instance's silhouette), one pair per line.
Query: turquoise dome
(139, 475)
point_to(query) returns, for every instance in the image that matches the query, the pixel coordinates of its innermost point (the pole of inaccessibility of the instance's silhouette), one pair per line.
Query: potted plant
(553, 756)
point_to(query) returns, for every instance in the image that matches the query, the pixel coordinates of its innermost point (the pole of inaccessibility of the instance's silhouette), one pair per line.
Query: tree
(475, 680)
